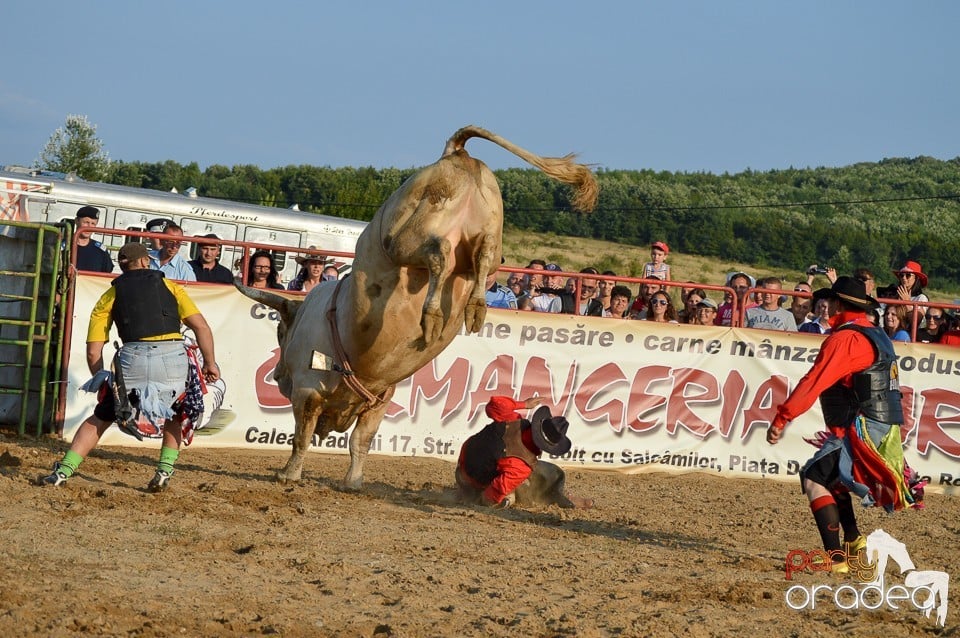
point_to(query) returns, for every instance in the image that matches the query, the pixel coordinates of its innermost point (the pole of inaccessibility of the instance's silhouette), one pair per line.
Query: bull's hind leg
(307, 406)
(368, 422)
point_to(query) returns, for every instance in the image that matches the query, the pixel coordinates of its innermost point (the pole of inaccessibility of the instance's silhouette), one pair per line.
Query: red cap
(504, 408)
(661, 245)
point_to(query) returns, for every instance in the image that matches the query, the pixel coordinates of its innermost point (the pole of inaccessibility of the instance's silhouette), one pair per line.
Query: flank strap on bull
(343, 367)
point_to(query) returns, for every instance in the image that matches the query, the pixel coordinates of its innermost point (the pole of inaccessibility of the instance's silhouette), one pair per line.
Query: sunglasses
(934, 317)
(658, 302)
(905, 275)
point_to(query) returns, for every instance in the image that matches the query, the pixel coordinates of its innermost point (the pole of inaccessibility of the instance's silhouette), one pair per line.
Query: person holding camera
(827, 271)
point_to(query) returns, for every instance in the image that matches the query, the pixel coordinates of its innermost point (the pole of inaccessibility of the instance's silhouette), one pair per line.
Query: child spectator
(657, 266)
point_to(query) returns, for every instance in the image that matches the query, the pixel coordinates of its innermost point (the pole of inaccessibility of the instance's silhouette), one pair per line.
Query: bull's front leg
(435, 253)
(368, 422)
(307, 407)
(476, 309)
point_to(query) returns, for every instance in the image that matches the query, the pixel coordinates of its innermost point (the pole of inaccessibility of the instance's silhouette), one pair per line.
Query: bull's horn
(286, 307)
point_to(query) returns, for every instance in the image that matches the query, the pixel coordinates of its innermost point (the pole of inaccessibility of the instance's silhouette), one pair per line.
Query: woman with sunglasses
(661, 308)
(935, 326)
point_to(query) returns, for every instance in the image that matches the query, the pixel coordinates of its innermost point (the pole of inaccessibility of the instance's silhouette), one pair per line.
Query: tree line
(875, 215)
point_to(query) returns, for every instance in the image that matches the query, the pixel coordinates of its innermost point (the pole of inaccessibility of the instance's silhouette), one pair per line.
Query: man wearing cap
(151, 368)
(499, 465)
(207, 265)
(706, 312)
(856, 379)
(156, 226)
(90, 253)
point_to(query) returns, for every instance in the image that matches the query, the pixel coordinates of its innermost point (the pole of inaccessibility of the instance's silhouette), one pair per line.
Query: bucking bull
(418, 275)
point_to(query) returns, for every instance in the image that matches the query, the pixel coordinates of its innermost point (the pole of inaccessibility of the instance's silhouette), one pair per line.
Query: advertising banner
(640, 396)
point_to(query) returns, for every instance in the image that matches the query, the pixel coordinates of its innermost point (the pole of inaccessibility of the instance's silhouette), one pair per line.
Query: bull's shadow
(432, 498)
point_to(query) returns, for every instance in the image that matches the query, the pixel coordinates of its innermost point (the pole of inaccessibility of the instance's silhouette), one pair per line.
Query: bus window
(132, 220)
(202, 227)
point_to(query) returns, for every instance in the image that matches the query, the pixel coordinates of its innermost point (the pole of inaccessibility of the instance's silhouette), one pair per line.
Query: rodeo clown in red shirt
(856, 378)
(499, 465)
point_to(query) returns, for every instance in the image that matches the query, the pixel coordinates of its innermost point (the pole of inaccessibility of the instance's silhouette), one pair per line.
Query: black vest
(875, 392)
(494, 442)
(144, 306)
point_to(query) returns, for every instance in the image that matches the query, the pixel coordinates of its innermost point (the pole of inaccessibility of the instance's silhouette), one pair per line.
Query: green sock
(70, 462)
(168, 456)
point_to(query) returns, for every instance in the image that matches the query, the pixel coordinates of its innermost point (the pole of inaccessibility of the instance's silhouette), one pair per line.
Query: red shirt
(842, 354)
(511, 472)
(950, 338)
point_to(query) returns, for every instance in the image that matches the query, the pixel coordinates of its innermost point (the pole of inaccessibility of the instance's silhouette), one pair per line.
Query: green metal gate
(33, 293)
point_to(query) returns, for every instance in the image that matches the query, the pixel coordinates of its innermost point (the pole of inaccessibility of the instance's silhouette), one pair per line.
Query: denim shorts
(158, 371)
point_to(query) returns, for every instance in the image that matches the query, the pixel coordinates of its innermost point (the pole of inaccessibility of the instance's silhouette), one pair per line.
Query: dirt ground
(229, 552)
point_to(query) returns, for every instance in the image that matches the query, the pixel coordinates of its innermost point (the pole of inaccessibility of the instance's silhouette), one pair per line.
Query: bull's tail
(286, 307)
(562, 169)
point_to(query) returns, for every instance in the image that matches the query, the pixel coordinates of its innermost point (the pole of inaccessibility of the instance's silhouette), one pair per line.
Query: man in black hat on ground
(207, 265)
(499, 465)
(90, 253)
(856, 379)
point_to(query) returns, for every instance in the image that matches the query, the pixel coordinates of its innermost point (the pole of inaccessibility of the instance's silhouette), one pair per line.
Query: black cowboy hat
(849, 290)
(550, 432)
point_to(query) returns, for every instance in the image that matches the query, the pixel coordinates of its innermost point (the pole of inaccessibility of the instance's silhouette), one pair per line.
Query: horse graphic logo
(882, 547)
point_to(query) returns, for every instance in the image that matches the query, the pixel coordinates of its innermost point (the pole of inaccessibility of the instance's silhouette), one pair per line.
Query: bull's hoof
(432, 325)
(473, 316)
(283, 478)
(352, 485)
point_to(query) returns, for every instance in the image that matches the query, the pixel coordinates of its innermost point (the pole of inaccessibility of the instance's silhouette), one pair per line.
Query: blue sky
(715, 86)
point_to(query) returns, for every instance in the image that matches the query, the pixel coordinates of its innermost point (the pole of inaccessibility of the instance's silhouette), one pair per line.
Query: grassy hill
(574, 253)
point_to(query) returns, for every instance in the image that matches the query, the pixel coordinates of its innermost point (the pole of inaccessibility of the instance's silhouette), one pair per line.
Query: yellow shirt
(101, 318)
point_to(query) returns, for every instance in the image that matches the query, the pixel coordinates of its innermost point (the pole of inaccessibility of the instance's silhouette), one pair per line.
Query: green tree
(75, 148)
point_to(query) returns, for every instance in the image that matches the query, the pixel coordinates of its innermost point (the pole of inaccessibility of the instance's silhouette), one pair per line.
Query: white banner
(639, 396)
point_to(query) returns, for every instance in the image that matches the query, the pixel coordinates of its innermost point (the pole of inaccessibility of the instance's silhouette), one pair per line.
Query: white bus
(40, 196)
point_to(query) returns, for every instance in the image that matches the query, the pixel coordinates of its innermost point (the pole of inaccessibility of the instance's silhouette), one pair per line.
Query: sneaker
(856, 546)
(840, 568)
(160, 481)
(54, 479)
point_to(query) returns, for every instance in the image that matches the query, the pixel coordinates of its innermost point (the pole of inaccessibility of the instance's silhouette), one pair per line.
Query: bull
(417, 277)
